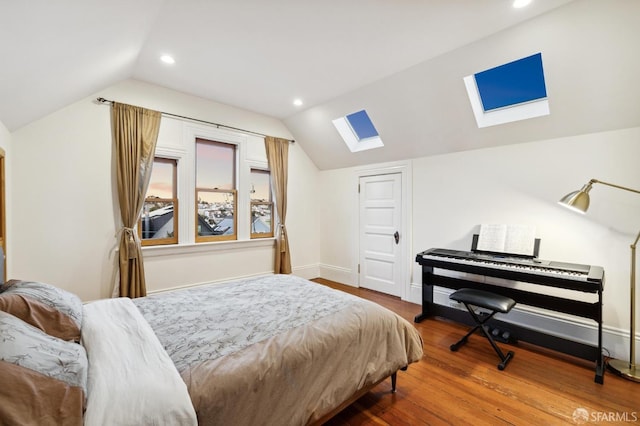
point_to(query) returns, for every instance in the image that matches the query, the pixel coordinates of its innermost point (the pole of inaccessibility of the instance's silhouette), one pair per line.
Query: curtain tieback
(283, 239)
(130, 235)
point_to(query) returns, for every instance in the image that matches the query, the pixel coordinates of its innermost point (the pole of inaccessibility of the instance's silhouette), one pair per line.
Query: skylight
(362, 125)
(358, 132)
(510, 92)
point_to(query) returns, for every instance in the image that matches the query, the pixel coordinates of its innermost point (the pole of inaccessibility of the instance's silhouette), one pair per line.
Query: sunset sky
(214, 169)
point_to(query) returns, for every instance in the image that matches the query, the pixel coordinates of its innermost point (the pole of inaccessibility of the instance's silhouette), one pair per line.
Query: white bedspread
(132, 380)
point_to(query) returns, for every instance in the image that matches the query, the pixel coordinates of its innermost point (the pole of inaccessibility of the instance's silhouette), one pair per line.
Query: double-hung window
(216, 194)
(159, 219)
(261, 204)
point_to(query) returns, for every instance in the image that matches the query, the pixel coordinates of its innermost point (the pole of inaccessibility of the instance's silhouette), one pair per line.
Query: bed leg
(393, 382)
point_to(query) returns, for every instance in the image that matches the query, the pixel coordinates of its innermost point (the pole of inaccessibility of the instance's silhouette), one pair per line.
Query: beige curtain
(135, 133)
(278, 157)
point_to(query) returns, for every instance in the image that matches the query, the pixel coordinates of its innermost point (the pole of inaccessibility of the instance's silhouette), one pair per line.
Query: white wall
(517, 184)
(65, 204)
(337, 192)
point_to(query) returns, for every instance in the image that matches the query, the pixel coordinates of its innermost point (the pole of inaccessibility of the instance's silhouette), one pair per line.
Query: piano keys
(557, 274)
(568, 276)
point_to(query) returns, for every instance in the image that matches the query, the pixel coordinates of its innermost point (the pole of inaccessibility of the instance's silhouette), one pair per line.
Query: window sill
(174, 249)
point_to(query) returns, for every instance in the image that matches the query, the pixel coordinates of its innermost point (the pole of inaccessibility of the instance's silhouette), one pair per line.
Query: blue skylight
(509, 92)
(512, 83)
(358, 132)
(362, 125)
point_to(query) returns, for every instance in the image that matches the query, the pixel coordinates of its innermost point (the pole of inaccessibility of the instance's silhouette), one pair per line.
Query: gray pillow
(29, 347)
(54, 297)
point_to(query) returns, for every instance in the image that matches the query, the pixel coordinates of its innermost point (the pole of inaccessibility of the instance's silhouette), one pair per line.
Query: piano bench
(483, 299)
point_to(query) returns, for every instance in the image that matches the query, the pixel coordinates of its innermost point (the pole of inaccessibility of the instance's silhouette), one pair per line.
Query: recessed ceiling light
(297, 102)
(167, 59)
(520, 3)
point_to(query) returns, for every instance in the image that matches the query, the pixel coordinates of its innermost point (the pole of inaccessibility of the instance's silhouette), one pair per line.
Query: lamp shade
(577, 200)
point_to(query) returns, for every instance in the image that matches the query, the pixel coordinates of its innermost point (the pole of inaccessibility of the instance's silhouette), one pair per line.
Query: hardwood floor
(538, 387)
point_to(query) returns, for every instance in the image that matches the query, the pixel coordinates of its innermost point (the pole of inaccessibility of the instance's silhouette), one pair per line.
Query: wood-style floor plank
(538, 387)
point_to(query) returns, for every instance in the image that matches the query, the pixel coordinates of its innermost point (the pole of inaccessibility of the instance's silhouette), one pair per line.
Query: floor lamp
(579, 201)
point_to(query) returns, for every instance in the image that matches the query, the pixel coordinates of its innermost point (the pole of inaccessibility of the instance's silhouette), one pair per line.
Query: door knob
(396, 236)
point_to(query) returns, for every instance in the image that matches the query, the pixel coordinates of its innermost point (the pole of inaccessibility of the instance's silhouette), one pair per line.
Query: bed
(275, 350)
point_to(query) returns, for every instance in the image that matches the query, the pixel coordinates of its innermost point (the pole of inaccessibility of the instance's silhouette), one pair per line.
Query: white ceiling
(401, 60)
(591, 65)
(254, 54)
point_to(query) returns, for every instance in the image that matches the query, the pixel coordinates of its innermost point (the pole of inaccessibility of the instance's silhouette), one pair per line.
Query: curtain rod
(218, 125)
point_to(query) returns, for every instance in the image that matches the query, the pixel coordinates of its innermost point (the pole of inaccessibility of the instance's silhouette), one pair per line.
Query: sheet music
(492, 238)
(508, 239)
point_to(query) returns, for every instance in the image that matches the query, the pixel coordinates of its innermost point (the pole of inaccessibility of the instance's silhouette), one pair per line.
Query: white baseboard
(218, 281)
(307, 271)
(338, 274)
(415, 293)
(615, 342)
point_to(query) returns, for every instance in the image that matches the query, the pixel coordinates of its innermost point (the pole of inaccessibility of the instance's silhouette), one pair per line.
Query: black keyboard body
(569, 276)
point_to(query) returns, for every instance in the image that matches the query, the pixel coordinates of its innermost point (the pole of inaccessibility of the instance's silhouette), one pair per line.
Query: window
(216, 195)
(158, 222)
(511, 84)
(358, 132)
(213, 174)
(509, 92)
(261, 204)
(361, 125)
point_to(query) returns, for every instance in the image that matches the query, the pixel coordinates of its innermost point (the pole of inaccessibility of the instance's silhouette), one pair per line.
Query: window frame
(234, 191)
(350, 136)
(146, 242)
(252, 203)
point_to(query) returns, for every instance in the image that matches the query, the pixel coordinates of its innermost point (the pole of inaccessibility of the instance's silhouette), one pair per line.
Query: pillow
(30, 398)
(39, 315)
(29, 347)
(51, 309)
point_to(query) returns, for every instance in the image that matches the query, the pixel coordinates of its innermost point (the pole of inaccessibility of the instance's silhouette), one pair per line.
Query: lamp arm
(632, 311)
(592, 181)
(633, 245)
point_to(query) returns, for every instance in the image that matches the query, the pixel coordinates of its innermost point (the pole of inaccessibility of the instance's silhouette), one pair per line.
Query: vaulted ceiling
(401, 60)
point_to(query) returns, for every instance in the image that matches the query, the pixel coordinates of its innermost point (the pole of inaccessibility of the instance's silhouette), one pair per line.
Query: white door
(380, 213)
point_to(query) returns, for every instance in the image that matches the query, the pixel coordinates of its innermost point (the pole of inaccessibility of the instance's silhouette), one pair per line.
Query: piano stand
(483, 299)
(432, 261)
